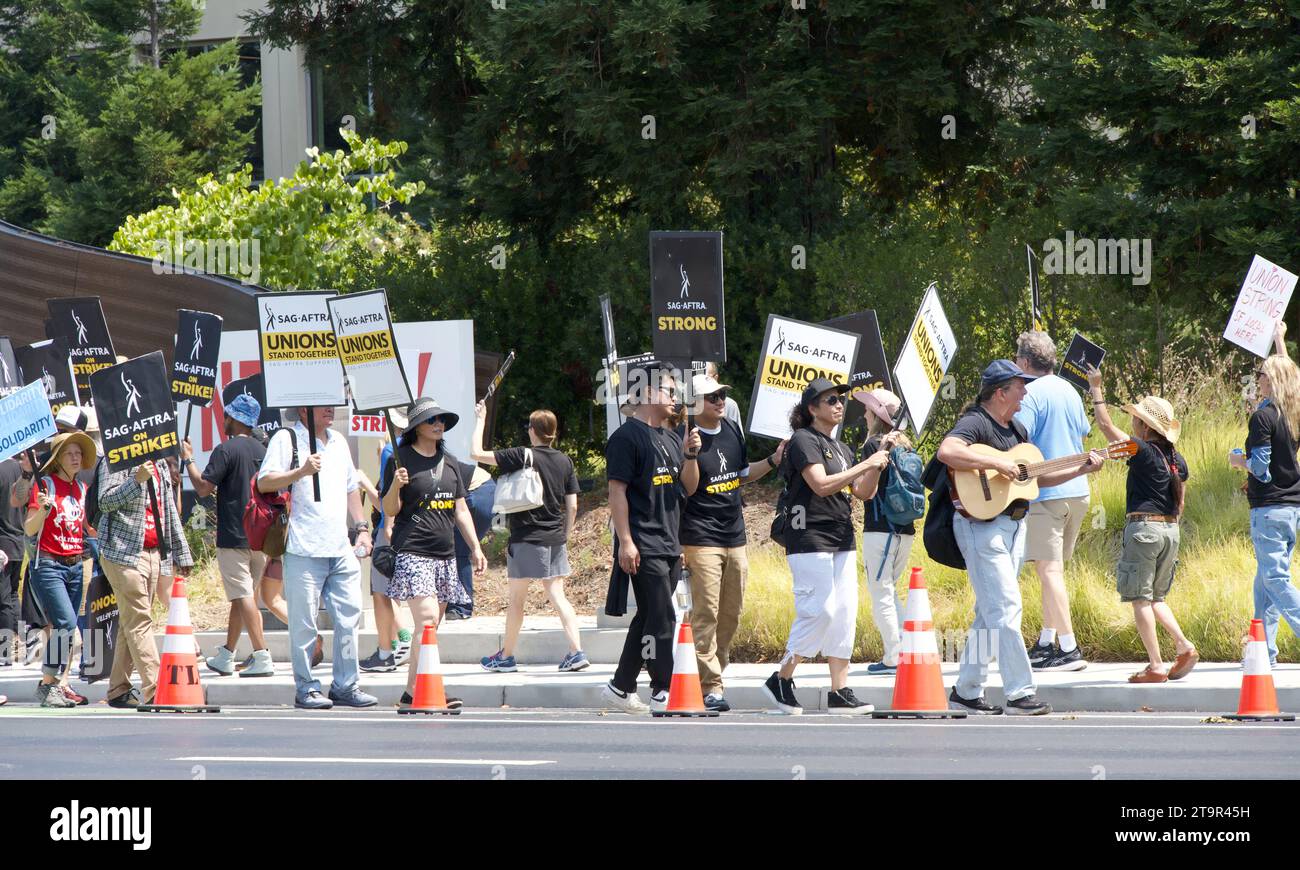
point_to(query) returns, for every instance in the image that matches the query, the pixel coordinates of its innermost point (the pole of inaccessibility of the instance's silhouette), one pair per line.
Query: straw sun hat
(1158, 414)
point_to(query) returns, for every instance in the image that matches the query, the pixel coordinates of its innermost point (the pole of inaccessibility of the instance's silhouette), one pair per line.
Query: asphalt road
(291, 744)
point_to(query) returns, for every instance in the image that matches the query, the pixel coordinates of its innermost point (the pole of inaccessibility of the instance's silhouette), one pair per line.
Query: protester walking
(55, 520)
(538, 544)
(319, 559)
(231, 468)
(1273, 490)
(1155, 494)
(820, 546)
(886, 547)
(425, 497)
(1053, 416)
(994, 549)
(139, 529)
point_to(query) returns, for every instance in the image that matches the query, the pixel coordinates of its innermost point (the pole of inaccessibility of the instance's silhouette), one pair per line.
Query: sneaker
(1041, 652)
(261, 666)
(455, 614)
(79, 700)
(977, 707)
(628, 702)
(499, 661)
(1028, 706)
(223, 662)
(312, 700)
(353, 697)
(1064, 661)
(714, 701)
(378, 663)
(245, 664)
(128, 701)
(575, 661)
(659, 701)
(51, 695)
(844, 701)
(318, 653)
(402, 647)
(781, 693)
(880, 669)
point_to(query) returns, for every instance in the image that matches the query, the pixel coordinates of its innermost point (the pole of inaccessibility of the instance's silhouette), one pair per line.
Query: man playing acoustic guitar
(994, 549)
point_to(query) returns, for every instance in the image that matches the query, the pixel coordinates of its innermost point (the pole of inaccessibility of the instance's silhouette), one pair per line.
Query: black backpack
(938, 537)
(782, 518)
(92, 498)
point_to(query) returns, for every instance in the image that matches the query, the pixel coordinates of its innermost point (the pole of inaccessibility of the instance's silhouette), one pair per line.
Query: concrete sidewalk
(1211, 688)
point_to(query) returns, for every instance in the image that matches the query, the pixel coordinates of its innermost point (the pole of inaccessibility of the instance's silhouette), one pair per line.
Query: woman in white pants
(821, 547)
(885, 547)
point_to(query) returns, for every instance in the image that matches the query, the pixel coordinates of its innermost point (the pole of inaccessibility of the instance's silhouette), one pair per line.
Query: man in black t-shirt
(230, 472)
(994, 549)
(713, 533)
(646, 468)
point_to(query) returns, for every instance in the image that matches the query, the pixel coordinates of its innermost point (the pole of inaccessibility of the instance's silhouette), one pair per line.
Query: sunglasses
(720, 396)
(833, 399)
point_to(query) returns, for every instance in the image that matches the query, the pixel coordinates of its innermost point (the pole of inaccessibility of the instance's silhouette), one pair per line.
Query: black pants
(650, 636)
(9, 599)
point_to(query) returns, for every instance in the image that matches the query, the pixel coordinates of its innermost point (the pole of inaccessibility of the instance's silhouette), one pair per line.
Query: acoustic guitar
(982, 494)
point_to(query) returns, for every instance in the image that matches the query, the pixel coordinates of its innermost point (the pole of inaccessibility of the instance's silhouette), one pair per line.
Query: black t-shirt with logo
(544, 525)
(827, 520)
(649, 461)
(426, 524)
(977, 426)
(1149, 489)
(713, 516)
(11, 519)
(230, 468)
(874, 519)
(1268, 428)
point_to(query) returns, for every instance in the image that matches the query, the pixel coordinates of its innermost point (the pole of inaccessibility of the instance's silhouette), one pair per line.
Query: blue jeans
(1272, 531)
(480, 508)
(994, 552)
(306, 579)
(58, 589)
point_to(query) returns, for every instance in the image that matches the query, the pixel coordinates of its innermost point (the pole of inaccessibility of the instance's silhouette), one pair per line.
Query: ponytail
(1170, 455)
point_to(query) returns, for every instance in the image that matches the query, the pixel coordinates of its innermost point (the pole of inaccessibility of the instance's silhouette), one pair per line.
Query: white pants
(884, 559)
(825, 604)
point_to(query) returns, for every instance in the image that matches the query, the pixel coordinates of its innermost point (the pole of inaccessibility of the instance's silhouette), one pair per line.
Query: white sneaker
(658, 701)
(261, 665)
(223, 662)
(627, 702)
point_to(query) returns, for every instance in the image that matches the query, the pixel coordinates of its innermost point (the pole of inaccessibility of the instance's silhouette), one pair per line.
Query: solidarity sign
(136, 416)
(686, 308)
(794, 354)
(300, 360)
(79, 321)
(926, 355)
(48, 362)
(368, 350)
(870, 369)
(194, 362)
(25, 420)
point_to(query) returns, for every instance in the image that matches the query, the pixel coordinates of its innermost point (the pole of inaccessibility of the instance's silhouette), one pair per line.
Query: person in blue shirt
(1053, 415)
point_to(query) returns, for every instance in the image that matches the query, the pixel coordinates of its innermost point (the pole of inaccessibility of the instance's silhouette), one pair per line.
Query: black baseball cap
(819, 386)
(1003, 370)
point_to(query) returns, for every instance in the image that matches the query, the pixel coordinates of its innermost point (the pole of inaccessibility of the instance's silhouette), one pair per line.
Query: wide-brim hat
(881, 402)
(818, 386)
(424, 410)
(397, 416)
(60, 443)
(1159, 415)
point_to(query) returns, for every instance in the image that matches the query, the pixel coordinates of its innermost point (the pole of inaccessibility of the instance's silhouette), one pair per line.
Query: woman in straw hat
(1273, 489)
(1155, 497)
(55, 514)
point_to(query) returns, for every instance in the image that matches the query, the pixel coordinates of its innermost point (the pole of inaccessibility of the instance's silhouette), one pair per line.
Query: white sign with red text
(1260, 305)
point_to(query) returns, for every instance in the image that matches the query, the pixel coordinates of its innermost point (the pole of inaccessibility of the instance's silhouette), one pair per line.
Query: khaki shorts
(240, 570)
(1052, 528)
(1147, 562)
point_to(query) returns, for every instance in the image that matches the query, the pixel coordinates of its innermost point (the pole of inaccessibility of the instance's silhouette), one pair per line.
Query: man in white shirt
(318, 559)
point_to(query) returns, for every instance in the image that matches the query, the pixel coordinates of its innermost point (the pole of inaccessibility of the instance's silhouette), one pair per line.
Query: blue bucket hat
(245, 409)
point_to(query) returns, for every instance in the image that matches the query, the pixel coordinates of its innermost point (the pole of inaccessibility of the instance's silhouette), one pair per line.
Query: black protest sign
(870, 369)
(136, 416)
(11, 378)
(194, 362)
(1082, 353)
(48, 362)
(79, 320)
(254, 385)
(686, 310)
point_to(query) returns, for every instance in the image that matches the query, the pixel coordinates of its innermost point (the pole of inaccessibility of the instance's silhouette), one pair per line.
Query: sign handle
(392, 436)
(311, 443)
(189, 418)
(31, 459)
(496, 380)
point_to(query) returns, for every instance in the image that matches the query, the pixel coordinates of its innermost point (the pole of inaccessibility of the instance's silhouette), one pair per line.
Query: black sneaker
(844, 701)
(376, 663)
(1064, 661)
(1028, 706)
(125, 702)
(714, 701)
(781, 693)
(1041, 652)
(978, 707)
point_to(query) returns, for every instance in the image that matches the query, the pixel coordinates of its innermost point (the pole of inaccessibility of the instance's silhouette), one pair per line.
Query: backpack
(782, 517)
(92, 498)
(266, 516)
(903, 499)
(937, 535)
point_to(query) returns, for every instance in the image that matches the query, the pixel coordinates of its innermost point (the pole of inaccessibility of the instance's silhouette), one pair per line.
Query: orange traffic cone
(918, 684)
(430, 696)
(179, 690)
(685, 697)
(1258, 695)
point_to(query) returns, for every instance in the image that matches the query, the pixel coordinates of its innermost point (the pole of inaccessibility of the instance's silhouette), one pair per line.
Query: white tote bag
(519, 490)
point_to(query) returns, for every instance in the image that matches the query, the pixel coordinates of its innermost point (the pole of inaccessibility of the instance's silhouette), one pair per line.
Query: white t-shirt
(316, 528)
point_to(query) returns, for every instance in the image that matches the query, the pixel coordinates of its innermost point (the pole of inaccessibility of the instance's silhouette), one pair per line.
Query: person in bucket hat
(231, 465)
(1156, 491)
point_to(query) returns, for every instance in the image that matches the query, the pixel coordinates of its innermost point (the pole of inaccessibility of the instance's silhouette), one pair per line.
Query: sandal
(1183, 664)
(1149, 675)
